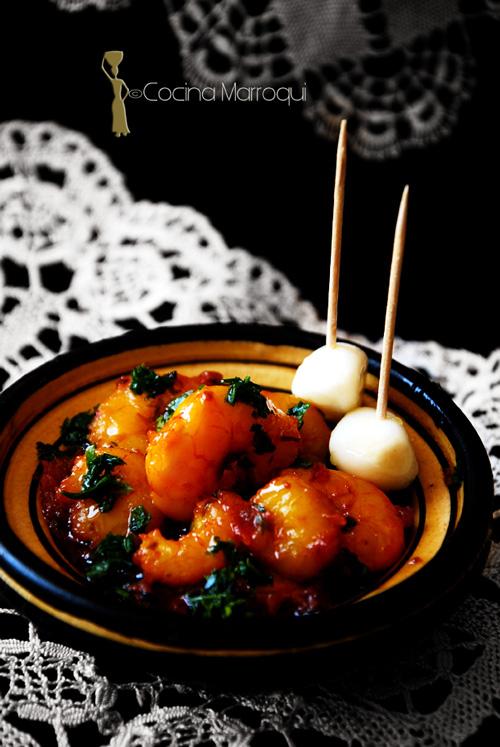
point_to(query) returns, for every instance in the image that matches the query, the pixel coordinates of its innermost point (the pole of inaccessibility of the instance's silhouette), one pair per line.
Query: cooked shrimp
(90, 525)
(188, 559)
(376, 536)
(314, 434)
(186, 459)
(301, 529)
(308, 517)
(124, 418)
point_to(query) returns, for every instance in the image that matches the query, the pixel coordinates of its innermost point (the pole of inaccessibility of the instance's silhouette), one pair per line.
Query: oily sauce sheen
(212, 498)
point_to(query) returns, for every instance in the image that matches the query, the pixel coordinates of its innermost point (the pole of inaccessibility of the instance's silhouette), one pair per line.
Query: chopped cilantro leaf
(75, 430)
(228, 589)
(244, 390)
(139, 519)
(171, 408)
(148, 382)
(74, 436)
(160, 422)
(298, 411)
(99, 482)
(261, 440)
(111, 564)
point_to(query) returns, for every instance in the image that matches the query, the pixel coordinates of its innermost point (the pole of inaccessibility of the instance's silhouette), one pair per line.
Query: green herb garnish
(171, 408)
(244, 390)
(99, 482)
(148, 382)
(75, 430)
(73, 436)
(261, 440)
(298, 411)
(139, 519)
(229, 589)
(111, 562)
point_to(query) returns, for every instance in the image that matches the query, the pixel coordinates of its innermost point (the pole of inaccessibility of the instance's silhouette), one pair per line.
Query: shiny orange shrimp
(185, 461)
(301, 530)
(90, 525)
(125, 418)
(314, 433)
(376, 536)
(187, 560)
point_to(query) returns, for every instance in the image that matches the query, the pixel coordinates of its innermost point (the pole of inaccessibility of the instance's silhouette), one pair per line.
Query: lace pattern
(76, 5)
(399, 71)
(64, 206)
(65, 212)
(472, 380)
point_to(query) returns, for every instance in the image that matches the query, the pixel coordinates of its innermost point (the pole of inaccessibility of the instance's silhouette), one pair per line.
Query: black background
(263, 177)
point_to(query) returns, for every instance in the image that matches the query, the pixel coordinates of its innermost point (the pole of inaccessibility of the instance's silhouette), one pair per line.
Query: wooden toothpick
(392, 305)
(338, 210)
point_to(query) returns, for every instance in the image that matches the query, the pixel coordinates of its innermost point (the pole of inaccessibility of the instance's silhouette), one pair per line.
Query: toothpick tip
(403, 205)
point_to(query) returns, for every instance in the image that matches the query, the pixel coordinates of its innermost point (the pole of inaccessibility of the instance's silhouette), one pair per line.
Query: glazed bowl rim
(468, 556)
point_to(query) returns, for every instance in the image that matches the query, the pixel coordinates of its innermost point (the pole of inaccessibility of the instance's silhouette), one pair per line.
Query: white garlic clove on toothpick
(332, 378)
(374, 448)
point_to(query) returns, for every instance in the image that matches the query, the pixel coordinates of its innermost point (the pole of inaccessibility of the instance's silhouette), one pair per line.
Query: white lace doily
(76, 5)
(399, 71)
(65, 213)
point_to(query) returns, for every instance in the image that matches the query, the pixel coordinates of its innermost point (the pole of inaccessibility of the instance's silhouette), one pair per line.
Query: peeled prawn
(377, 536)
(301, 529)
(314, 433)
(311, 514)
(185, 461)
(125, 418)
(187, 560)
(90, 525)
(374, 532)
